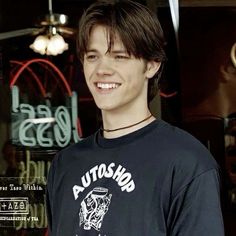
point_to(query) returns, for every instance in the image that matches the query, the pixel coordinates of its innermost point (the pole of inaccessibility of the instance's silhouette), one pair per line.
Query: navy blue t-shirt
(156, 181)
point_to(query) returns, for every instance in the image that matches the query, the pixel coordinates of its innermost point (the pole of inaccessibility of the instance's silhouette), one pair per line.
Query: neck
(116, 126)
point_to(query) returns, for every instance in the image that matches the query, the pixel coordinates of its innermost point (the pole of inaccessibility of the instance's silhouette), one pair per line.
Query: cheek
(137, 79)
(85, 68)
(87, 72)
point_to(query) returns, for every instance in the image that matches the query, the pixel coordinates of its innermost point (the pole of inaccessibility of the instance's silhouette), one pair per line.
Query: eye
(121, 57)
(91, 57)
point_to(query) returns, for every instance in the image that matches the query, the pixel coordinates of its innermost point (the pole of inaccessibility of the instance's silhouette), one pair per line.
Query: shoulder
(186, 154)
(184, 157)
(69, 154)
(181, 144)
(82, 145)
(176, 136)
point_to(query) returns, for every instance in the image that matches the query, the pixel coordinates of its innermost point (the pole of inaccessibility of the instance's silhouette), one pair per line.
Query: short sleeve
(196, 209)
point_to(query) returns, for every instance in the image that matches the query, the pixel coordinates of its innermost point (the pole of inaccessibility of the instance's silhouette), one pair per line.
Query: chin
(101, 105)
(105, 104)
(106, 107)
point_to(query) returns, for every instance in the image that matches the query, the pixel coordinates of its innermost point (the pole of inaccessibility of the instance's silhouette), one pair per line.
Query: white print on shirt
(123, 178)
(94, 207)
(98, 235)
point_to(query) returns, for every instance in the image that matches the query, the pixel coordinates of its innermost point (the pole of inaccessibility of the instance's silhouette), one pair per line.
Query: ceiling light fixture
(51, 43)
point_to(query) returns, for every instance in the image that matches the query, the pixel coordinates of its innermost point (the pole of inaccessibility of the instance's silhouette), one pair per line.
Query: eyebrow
(119, 51)
(91, 50)
(112, 51)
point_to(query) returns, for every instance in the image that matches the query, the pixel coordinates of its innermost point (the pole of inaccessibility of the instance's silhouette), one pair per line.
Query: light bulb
(56, 45)
(40, 44)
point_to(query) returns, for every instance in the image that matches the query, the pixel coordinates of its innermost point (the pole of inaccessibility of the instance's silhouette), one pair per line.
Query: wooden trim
(196, 3)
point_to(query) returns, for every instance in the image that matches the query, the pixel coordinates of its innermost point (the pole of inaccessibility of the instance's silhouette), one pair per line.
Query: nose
(104, 67)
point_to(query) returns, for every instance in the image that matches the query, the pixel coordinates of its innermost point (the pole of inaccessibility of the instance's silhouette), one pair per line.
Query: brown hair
(138, 28)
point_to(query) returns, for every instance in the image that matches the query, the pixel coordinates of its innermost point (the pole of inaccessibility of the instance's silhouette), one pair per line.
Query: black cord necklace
(126, 127)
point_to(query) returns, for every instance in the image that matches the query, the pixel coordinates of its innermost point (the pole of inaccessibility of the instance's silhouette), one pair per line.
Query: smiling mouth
(107, 86)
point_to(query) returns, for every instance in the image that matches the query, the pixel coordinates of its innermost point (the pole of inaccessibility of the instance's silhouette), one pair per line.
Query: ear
(228, 73)
(152, 68)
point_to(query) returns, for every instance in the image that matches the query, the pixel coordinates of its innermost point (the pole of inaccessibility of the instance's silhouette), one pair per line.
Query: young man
(136, 176)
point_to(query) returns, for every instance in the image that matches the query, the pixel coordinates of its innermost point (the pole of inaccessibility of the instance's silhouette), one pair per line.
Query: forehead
(101, 36)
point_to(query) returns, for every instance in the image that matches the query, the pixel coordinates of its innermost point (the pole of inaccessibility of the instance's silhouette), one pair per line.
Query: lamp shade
(40, 44)
(56, 45)
(53, 45)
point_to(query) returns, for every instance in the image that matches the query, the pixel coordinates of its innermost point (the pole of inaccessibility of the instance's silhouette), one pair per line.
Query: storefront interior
(197, 93)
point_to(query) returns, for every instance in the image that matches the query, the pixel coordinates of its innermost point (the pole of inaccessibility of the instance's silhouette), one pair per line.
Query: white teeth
(107, 85)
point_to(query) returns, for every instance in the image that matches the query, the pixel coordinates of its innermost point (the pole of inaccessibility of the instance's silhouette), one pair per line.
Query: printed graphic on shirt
(94, 207)
(112, 171)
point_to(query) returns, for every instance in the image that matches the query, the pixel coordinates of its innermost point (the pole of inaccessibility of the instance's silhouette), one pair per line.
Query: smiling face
(117, 80)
